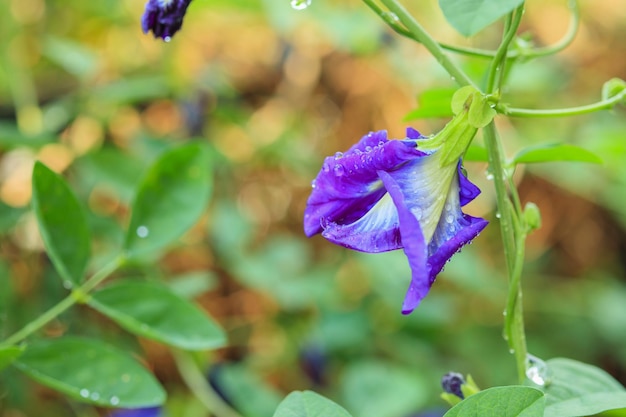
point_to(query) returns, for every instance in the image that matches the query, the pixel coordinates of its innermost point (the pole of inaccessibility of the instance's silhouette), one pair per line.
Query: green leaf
(578, 389)
(553, 152)
(170, 199)
(510, 401)
(309, 404)
(470, 16)
(8, 354)
(153, 311)
(402, 392)
(480, 112)
(90, 371)
(62, 223)
(72, 56)
(248, 393)
(432, 103)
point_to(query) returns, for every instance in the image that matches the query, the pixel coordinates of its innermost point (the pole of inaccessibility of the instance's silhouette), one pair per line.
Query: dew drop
(536, 370)
(338, 155)
(67, 285)
(498, 215)
(167, 39)
(417, 212)
(490, 176)
(313, 183)
(511, 351)
(114, 400)
(300, 4)
(368, 149)
(358, 152)
(449, 218)
(338, 170)
(94, 396)
(143, 232)
(391, 17)
(326, 167)
(84, 393)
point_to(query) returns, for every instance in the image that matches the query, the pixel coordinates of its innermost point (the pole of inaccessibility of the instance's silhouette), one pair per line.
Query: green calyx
(472, 111)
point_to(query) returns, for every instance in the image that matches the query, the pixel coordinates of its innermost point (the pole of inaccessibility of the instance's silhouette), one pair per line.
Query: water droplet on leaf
(537, 370)
(84, 393)
(94, 396)
(300, 4)
(114, 400)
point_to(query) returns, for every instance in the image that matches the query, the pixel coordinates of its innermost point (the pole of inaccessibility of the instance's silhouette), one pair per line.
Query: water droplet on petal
(167, 38)
(338, 170)
(313, 183)
(536, 370)
(338, 155)
(84, 393)
(417, 212)
(368, 149)
(300, 4)
(449, 218)
(325, 167)
(358, 152)
(114, 400)
(143, 232)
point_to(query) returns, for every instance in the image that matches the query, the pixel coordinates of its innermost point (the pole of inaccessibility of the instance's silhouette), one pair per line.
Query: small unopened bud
(451, 383)
(532, 217)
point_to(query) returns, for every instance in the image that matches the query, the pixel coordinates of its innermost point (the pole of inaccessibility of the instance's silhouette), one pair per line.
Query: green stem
(606, 104)
(513, 249)
(420, 34)
(565, 41)
(77, 296)
(197, 383)
(401, 30)
(499, 60)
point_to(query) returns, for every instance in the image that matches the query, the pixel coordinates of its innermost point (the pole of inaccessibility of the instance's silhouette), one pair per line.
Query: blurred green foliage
(272, 91)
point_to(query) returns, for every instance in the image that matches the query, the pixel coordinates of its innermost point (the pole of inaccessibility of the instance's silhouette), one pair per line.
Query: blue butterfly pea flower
(383, 195)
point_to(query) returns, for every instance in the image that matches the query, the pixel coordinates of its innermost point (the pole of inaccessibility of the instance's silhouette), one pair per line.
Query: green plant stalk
(76, 296)
(563, 43)
(198, 385)
(513, 250)
(606, 104)
(499, 60)
(420, 35)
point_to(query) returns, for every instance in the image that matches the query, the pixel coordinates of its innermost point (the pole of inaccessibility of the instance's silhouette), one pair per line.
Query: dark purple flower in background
(137, 412)
(164, 17)
(385, 194)
(451, 383)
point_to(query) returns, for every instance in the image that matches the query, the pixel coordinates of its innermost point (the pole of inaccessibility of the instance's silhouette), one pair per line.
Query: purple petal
(468, 191)
(164, 18)
(414, 246)
(413, 134)
(347, 186)
(377, 231)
